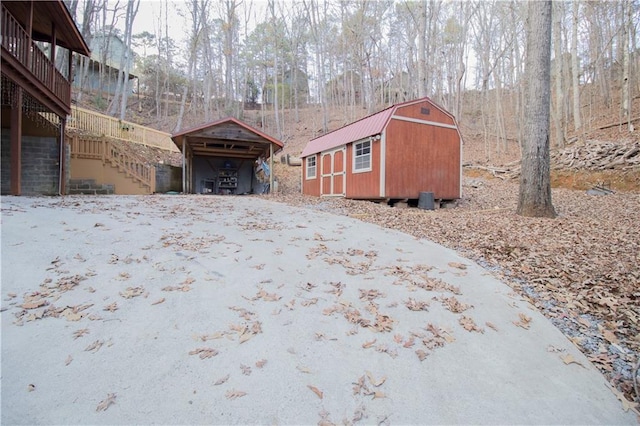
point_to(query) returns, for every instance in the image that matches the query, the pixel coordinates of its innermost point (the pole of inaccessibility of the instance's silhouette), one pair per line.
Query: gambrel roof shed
(396, 153)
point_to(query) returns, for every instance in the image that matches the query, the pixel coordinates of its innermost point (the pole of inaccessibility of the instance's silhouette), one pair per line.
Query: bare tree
(558, 112)
(121, 95)
(535, 180)
(575, 71)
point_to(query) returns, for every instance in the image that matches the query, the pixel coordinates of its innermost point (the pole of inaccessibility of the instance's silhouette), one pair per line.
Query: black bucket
(426, 201)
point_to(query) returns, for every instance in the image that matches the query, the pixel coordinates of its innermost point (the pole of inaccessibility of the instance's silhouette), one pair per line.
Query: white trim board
(430, 123)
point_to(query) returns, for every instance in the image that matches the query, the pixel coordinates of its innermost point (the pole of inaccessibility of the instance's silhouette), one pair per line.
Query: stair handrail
(144, 173)
(100, 148)
(91, 122)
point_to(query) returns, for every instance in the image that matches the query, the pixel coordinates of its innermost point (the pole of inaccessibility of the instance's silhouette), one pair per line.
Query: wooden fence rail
(93, 123)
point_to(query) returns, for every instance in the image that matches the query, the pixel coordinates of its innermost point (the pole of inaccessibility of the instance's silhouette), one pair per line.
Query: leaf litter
(584, 262)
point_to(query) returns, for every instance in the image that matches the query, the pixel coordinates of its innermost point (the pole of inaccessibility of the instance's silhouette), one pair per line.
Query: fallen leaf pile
(583, 263)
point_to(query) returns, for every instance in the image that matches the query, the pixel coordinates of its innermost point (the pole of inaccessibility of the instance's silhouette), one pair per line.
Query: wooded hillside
(297, 69)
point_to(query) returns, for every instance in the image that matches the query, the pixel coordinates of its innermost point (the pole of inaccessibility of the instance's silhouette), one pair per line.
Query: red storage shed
(396, 153)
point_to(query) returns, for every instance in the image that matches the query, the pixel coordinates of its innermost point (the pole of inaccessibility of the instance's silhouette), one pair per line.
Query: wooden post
(15, 138)
(184, 165)
(270, 167)
(52, 57)
(29, 29)
(62, 184)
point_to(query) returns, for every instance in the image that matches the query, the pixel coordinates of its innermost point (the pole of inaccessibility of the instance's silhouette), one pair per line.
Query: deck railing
(15, 40)
(94, 123)
(97, 148)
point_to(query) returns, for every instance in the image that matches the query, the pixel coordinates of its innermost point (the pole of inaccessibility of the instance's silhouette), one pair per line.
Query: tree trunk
(422, 48)
(558, 116)
(626, 93)
(535, 182)
(132, 11)
(575, 71)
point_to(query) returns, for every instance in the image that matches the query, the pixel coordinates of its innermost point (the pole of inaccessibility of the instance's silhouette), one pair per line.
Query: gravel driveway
(227, 310)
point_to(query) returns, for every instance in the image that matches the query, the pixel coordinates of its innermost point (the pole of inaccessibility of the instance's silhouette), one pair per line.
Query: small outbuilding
(226, 157)
(397, 153)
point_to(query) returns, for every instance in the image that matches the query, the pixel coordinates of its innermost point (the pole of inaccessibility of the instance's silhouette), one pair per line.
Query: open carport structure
(220, 157)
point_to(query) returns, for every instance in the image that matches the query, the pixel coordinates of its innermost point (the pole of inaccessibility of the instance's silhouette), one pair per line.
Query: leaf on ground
(360, 386)
(309, 302)
(415, 305)
(107, 402)
(233, 394)
(374, 382)
(491, 326)
(112, 307)
(303, 369)
(569, 359)
(79, 333)
(204, 353)
(610, 336)
(457, 265)
(626, 404)
(68, 360)
(159, 301)
(524, 321)
(131, 292)
(370, 295)
(409, 343)
(95, 346)
(267, 297)
(261, 363)
(421, 354)
(454, 305)
(246, 370)
(245, 336)
(222, 380)
(369, 344)
(584, 322)
(469, 324)
(33, 304)
(317, 391)
(378, 395)
(70, 315)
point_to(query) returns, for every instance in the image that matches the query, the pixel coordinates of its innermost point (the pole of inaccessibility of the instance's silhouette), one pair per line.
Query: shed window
(311, 167)
(362, 156)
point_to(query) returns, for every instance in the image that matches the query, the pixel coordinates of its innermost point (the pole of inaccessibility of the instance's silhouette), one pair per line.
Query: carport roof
(227, 137)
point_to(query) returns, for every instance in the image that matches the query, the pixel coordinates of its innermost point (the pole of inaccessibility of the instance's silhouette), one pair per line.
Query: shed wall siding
(311, 186)
(415, 111)
(422, 158)
(365, 185)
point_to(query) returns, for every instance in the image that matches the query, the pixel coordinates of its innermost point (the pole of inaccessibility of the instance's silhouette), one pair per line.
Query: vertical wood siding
(312, 186)
(364, 185)
(418, 111)
(422, 158)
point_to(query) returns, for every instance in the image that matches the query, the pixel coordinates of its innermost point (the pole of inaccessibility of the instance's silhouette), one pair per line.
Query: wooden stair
(114, 154)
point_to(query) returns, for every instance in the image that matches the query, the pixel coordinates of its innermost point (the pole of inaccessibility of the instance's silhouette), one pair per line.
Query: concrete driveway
(238, 310)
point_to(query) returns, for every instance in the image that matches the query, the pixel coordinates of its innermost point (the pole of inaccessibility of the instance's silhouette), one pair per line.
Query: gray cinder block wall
(168, 178)
(40, 165)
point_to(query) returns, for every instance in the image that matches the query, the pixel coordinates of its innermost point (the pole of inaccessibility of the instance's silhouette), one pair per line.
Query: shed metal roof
(368, 126)
(227, 137)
